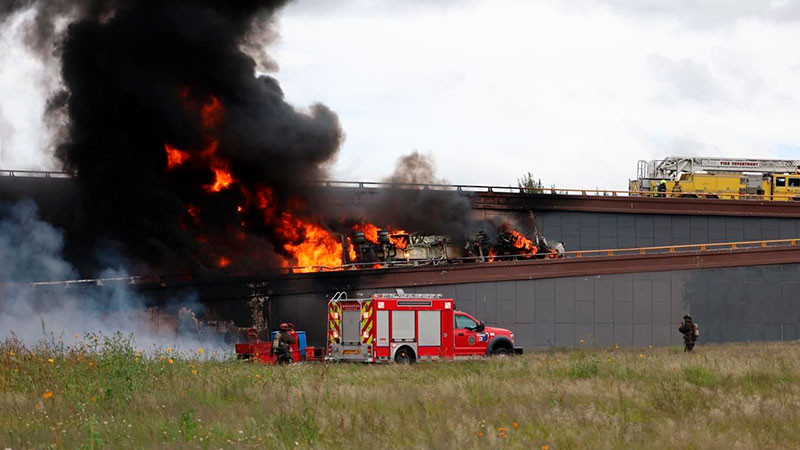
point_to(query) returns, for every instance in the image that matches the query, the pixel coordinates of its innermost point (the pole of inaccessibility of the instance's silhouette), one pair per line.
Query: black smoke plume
(414, 208)
(140, 74)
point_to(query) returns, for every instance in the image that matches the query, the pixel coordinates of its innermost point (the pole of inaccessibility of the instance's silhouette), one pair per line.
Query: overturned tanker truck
(399, 248)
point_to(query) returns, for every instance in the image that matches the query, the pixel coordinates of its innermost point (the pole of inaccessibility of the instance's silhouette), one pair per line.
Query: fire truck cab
(405, 328)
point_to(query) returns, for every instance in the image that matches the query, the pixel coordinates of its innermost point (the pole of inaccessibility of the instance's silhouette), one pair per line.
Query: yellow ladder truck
(729, 178)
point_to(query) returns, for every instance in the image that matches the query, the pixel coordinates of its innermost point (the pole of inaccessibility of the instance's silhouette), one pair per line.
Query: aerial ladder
(752, 175)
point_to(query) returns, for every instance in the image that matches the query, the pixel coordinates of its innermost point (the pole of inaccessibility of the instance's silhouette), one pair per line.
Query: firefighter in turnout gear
(280, 345)
(661, 189)
(690, 331)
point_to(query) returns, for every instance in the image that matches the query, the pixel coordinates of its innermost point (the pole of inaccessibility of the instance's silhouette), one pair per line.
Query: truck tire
(500, 350)
(404, 356)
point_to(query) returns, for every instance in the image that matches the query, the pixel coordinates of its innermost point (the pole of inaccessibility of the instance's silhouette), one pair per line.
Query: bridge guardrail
(478, 188)
(36, 173)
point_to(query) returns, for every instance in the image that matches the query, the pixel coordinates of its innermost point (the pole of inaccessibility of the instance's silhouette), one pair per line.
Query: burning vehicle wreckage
(371, 247)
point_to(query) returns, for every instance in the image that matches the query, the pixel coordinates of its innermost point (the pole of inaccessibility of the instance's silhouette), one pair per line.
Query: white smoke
(31, 252)
(26, 81)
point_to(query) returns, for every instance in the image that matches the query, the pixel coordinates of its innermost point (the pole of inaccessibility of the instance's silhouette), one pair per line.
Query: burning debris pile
(189, 160)
(386, 247)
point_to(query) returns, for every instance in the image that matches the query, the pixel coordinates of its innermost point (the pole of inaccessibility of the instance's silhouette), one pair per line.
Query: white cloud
(575, 95)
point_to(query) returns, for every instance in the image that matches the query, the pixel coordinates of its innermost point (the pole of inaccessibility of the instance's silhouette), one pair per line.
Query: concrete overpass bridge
(630, 298)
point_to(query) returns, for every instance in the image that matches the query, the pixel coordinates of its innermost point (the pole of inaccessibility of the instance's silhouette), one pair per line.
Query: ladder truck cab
(728, 178)
(405, 328)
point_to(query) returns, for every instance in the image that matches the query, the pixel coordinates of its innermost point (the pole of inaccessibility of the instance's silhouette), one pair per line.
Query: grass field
(103, 393)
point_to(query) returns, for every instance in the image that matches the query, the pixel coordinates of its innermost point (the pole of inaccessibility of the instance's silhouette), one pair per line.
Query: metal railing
(479, 188)
(484, 188)
(36, 173)
(669, 249)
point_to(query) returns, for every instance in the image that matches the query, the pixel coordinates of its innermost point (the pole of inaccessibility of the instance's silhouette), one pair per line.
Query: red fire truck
(408, 327)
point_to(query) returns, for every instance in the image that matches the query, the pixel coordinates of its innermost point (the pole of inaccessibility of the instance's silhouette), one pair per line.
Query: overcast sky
(575, 92)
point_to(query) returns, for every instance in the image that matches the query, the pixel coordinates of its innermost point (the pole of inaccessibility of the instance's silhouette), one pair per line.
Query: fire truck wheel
(500, 350)
(404, 356)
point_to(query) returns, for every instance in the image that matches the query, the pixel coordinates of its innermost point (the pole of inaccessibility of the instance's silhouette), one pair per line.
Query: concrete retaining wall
(595, 231)
(734, 304)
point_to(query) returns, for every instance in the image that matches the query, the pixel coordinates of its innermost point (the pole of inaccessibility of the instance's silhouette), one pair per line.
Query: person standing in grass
(281, 345)
(690, 331)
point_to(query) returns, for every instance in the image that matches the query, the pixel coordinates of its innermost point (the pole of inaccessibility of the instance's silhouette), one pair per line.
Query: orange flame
(175, 157)
(399, 242)
(523, 243)
(308, 242)
(211, 113)
(370, 231)
(222, 177)
(396, 237)
(223, 262)
(351, 252)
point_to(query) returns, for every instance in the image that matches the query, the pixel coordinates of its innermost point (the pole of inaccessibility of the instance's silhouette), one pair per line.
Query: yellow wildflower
(258, 376)
(616, 346)
(581, 341)
(171, 361)
(169, 349)
(544, 447)
(641, 355)
(50, 360)
(11, 353)
(200, 351)
(194, 371)
(94, 399)
(515, 425)
(47, 394)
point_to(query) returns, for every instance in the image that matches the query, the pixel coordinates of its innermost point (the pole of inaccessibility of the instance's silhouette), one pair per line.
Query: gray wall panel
(623, 335)
(584, 289)
(730, 304)
(604, 300)
(584, 332)
(642, 335)
(589, 231)
(584, 312)
(603, 334)
(564, 335)
(544, 335)
(565, 300)
(486, 301)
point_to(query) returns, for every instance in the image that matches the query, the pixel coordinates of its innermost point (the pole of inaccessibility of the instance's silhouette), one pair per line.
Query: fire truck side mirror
(480, 327)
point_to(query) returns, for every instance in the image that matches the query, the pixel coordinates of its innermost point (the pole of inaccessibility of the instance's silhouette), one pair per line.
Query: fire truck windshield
(464, 322)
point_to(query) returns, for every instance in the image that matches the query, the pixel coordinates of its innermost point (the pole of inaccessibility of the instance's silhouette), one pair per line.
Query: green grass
(103, 393)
